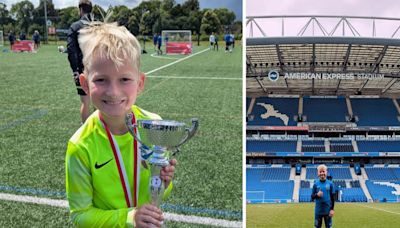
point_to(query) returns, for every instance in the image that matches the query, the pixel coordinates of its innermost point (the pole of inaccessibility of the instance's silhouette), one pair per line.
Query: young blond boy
(107, 183)
(323, 192)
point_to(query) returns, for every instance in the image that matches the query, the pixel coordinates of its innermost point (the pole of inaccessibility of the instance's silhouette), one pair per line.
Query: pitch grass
(39, 112)
(360, 215)
(32, 215)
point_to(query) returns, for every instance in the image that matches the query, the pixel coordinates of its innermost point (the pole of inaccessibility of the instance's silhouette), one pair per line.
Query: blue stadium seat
(375, 112)
(380, 191)
(313, 146)
(387, 174)
(271, 146)
(325, 109)
(341, 146)
(378, 146)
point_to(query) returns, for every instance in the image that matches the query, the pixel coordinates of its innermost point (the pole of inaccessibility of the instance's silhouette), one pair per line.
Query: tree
(149, 12)
(39, 16)
(194, 20)
(167, 5)
(177, 11)
(120, 14)
(225, 16)
(133, 22)
(4, 15)
(67, 16)
(190, 6)
(22, 11)
(99, 13)
(210, 23)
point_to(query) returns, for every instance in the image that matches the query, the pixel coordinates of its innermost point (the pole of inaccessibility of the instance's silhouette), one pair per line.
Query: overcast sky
(233, 5)
(370, 8)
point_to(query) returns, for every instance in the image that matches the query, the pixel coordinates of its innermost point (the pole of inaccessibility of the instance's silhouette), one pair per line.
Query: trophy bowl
(168, 134)
(163, 133)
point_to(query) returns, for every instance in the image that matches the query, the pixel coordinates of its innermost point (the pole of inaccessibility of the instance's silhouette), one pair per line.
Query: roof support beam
(313, 57)
(379, 60)
(337, 86)
(389, 85)
(346, 58)
(362, 87)
(261, 84)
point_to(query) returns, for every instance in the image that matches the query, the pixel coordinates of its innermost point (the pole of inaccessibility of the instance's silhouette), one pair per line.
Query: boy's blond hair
(110, 41)
(322, 167)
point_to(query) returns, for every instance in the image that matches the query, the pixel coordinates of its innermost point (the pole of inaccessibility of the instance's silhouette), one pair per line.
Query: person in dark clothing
(155, 39)
(323, 192)
(216, 43)
(75, 54)
(22, 36)
(11, 38)
(159, 44)
(36, 39)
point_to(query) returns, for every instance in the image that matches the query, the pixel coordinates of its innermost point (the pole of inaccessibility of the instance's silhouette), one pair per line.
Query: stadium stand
(281, 107)
(325, 109)
(341, 146)
(375, 112)
(352, 195)
(382, 174)
(378, 146)
(313, 146)
(271, 146)
(383, 191)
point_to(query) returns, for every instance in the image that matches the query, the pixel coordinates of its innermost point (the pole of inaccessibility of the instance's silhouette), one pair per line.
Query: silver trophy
(158, 139)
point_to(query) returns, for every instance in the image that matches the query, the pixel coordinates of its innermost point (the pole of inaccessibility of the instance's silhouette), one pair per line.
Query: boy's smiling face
(112, 90)
(322, 174)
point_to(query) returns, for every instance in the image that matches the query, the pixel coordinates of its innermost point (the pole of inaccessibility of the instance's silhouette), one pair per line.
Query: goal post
(177, 41)
(1, 38)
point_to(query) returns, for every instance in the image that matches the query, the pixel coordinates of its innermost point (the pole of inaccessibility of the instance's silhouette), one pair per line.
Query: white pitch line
(34, 199)
(161, 57)
(177, 61)
(168, 216)
(379, 209)
(202, 220)
(200, 78)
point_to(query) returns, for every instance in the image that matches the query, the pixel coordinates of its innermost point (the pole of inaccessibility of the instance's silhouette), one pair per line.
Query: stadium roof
(324, 64)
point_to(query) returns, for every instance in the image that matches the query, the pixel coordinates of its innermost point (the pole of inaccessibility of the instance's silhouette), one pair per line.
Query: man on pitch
(75, 54)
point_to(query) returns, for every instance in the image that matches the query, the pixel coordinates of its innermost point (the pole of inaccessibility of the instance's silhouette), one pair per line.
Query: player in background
(159, 44)
(212, 41)
(75, 54)
(155, 39)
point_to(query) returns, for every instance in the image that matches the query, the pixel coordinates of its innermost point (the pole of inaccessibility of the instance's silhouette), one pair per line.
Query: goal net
(255, 196)
(177, 41)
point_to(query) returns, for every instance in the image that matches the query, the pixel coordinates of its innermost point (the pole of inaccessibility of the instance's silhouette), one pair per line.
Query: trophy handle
(131, 127)
(190, 132)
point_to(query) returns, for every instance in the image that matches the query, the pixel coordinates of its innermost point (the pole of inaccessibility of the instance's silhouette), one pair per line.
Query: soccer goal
(1, 38)
(255, 196)
(177, 41)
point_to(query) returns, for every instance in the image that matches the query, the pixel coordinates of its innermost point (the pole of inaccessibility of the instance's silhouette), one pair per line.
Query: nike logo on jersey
(97, 166)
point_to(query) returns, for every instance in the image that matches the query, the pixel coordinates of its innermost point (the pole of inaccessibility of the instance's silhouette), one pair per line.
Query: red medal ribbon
(119, 161)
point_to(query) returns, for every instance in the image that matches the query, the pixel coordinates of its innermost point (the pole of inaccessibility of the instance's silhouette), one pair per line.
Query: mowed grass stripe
(302, 215)
(168, 216)
(177, 61)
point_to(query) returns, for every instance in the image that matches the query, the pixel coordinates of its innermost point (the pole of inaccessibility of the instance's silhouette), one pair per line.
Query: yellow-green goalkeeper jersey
(95, 194)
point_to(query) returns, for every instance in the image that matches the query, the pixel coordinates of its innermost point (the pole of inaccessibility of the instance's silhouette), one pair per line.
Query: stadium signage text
(333, 76)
